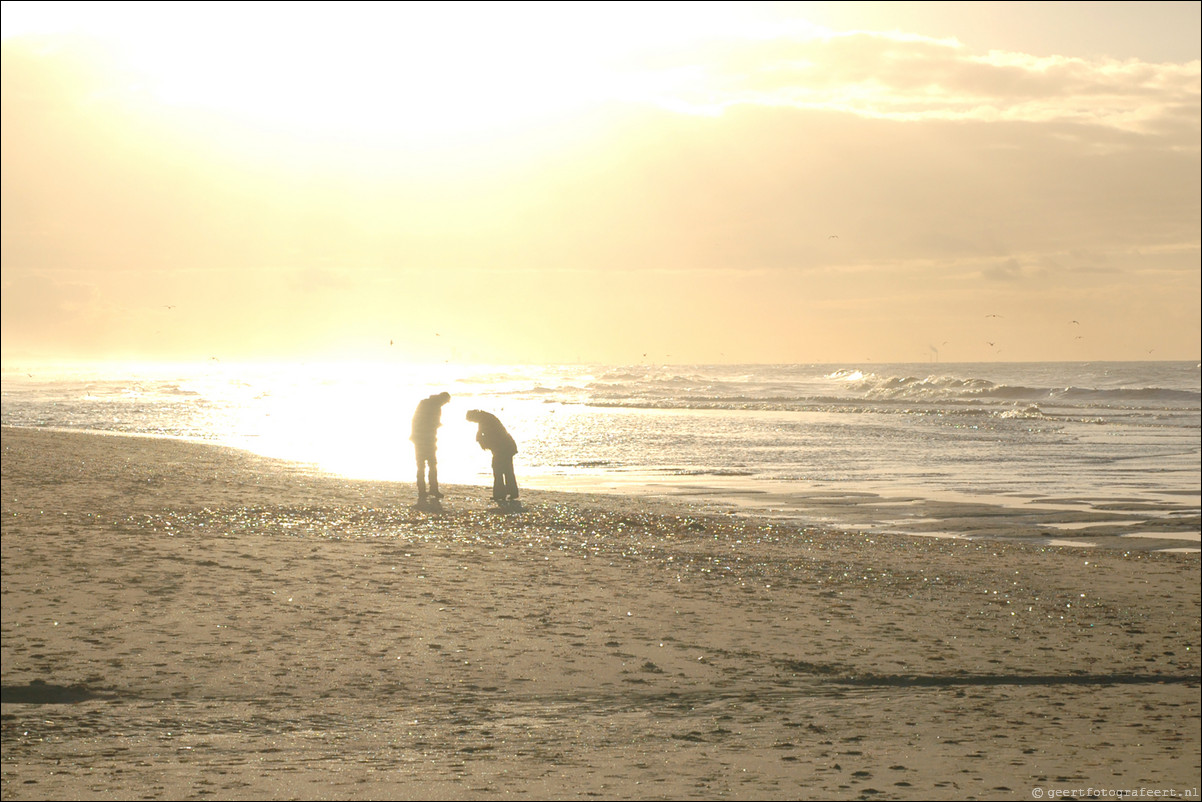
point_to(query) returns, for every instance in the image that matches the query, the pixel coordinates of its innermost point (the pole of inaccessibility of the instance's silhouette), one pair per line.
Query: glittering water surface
(1085, 452)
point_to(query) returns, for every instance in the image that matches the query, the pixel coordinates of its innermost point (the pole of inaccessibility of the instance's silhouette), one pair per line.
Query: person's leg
(510, 478)
(421, 477)
(498, 478)
(432, 461)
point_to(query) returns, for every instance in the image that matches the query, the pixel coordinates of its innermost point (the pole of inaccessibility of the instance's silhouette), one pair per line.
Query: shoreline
(876, 509)
(184, 620)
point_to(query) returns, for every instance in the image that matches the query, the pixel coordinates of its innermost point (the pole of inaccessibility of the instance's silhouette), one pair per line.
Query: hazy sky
(609, 182)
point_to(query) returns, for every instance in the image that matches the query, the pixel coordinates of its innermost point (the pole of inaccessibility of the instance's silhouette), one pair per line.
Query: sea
(1098, 454)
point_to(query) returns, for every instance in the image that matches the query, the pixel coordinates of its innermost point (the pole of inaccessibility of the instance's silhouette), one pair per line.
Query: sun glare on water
(352, 420)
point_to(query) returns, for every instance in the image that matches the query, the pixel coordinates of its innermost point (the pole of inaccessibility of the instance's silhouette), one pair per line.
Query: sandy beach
(183, 621)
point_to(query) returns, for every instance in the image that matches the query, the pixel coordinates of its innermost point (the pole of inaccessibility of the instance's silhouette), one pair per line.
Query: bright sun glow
(378, 71)
(367, 80)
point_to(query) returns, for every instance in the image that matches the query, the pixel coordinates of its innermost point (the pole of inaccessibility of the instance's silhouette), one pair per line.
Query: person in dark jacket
(426, 421)
(491, 436)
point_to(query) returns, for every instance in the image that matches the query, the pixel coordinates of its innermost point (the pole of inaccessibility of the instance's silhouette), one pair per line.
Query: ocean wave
(1031, 412)
(1142, 393)
(837, 390)
(1159, 396)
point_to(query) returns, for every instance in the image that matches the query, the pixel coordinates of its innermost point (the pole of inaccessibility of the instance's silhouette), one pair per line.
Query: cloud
(1008, 270)
(878, 174)
(905, 77)
(50, 311)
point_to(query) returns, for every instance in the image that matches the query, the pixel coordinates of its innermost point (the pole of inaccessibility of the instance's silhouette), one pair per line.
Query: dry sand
(185, 621)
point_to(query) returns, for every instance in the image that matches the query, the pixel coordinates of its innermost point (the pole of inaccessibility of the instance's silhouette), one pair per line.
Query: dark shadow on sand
(39, 692)
(843, 675)
(980, 680)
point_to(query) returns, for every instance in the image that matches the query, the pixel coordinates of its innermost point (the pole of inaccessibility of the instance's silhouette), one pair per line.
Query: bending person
(491, 436)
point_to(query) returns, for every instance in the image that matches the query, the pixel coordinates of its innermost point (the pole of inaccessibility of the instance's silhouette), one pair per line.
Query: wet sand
(186, 621)
(1169, 523)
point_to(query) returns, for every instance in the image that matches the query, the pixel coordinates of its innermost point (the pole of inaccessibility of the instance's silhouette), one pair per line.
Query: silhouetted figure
(426, 421)
(491, 436)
